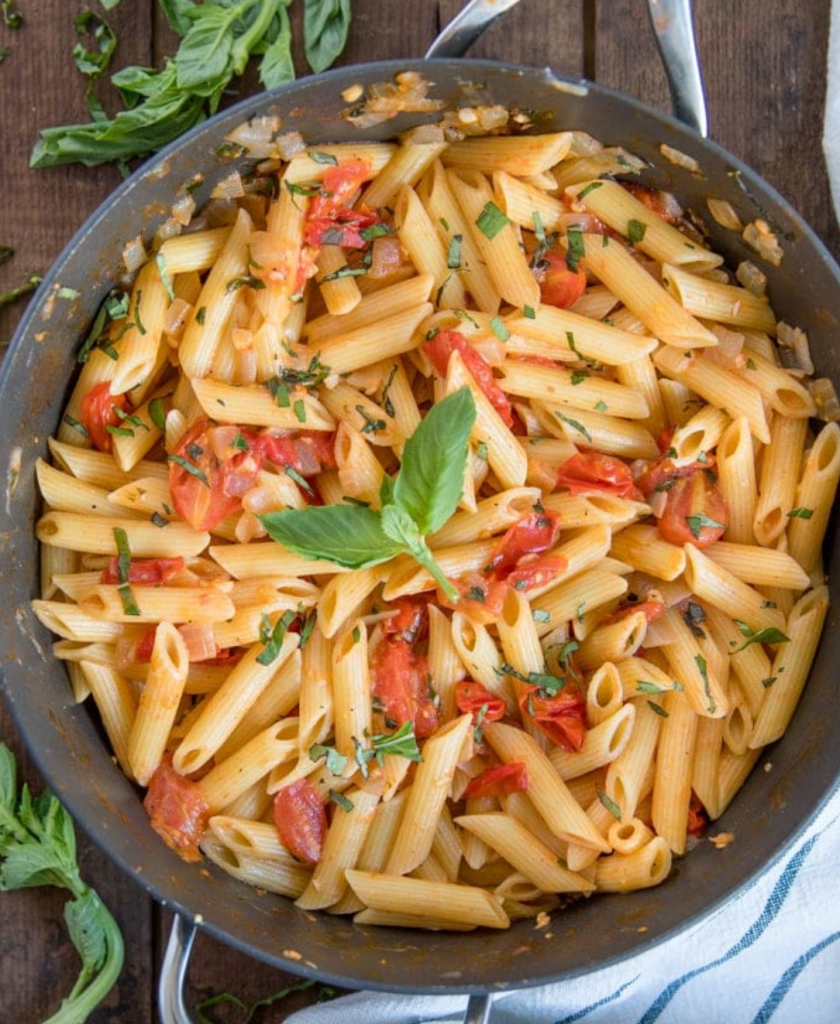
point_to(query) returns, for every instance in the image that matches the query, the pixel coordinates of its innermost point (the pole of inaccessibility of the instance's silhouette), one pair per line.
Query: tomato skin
(144, 572)
(342, 228)
(301, 820)
(500, 780)
(177, 809)
(562, 717)
(691, 496)
(99, 411)
(560, 286)
(592, 471)
(533, 534)
(308, 453)
(471, 697)
(145, 645)
(440, 348)
(537, 573)
(411, 622)
(340, 184)
(653, 200)
(399, 683)
(698, 817)
(653, 610)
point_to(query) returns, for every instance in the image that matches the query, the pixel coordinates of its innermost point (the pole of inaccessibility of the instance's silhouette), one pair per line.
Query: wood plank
(39, 962)
(764, 69)
(41, 87)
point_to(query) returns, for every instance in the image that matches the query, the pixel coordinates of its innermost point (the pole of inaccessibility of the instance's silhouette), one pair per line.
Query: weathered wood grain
(764, 69)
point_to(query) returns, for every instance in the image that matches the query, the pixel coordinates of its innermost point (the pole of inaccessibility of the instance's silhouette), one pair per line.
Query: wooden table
(764, 66)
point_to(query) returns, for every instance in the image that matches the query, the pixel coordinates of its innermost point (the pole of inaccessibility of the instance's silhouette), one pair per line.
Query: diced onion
(751, 278)
(387, 99)
(679, 159)
(825, 398)
(289, 144)
(199, 640)
(659, 633)
(795, 341)
(229, 187)
(175, 317)
(491, 350)
(134, 254)
(183, 208)
(583, 144)
(724, 214)
(727, 352)
(256, 136)
(423, 135)
(658, 502)
(245, 366)
(758, 236)
(168, 229)
(386, 256)
(220, 212)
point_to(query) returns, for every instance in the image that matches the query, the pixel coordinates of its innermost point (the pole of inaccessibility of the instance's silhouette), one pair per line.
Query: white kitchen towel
(771, 954)
(831, 130)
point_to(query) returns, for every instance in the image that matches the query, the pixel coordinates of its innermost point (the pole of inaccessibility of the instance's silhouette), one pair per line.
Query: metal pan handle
(173, 972)
(674, 31)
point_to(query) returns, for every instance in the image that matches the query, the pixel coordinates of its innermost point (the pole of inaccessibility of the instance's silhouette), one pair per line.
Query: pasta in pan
(438, 540)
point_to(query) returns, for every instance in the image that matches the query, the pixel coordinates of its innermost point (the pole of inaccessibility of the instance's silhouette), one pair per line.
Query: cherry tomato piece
(301, 820)
(400, 685)
(501, 780)
(440, 348)
(561, 717)
(592, 471)
(340, 184)
(99, 412)
(537, 573)
(144, 572)
(177, 809)
(560, 286)
(695, 512)
(411, 621)
(533, 534)
(471, 697)
(698, 817)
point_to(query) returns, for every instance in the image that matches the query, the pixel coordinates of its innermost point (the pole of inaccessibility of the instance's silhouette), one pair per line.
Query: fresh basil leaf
(698, 522)
(325, 27)
(82, 917)
(636, 231)
(401, 743)
(610, 805)
(491, 220)
(277, 66)
(335, 762)
(274, 641)
(434, 461)
(178, 13)
(771, 635)
(344, 534)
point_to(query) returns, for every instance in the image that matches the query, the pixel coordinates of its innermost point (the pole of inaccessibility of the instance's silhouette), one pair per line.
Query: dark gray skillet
(768, 814)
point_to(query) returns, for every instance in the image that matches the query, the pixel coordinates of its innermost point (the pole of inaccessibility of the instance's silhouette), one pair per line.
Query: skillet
(772, 808)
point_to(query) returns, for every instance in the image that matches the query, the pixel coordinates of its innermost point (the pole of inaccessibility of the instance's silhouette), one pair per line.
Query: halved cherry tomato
(144, 572)
(399, 682)
(698, 817)
(481, 597)
(653, 610)
(441, 347)
(411, 621)
(99, 411)
(213, 487)
(661, 203)
(500, 780)
(592, 471)
(538, 573)
(340, 184)
(533, 534)
(145, 645)
(343, 228)
(562, 717)
(560, 286)
(695, 512)
(301, 820)
(177, 809)
(471, 697)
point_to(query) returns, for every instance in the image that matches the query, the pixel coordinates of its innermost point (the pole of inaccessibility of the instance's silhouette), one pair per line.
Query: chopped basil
(166, 281)
(157, 414)
(307, 627)
(357, 634)
(135, 421)
(387, 404)
(113, 307)
(123, 554)
(397, 744)
(442, 289)
(67, 293)
(644, 686)
(750, 364)
(771, 635)
(129, 604)
(80, 427)
(300, 410)
(279, 392)
(303, 188)
(581, 609)
(189, 468)
(696, 524)
(248, 280)
(476, 594)
(481, 450)
(444, 223)
(462, 314)
(574, 424)
(610, 805)
(478, 732)
(336, 762)
(800, 513)
(600, 406)
(528, 313)
(341, 800)
(657, 709)
(700, 661)
(768, 682)
(356, 501)
(343, 272)
(274, 640)
(575, 250)
(491, 220)
(138, 323)
(322, 158)
(375, 231)
(499, 329)
(540, 615)
(299, 480)
(239, 443)
(119, 431)
(371, 425)
(693, 617)
(589, 188)
(159, 521)
(200, 315)
(453, 257)
(579, 376)
(636, 231)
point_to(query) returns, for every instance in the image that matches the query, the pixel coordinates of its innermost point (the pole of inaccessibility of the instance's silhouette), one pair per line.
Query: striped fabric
(771, 955)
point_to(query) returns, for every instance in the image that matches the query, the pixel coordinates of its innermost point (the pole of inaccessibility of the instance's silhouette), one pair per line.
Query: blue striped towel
(772, 954)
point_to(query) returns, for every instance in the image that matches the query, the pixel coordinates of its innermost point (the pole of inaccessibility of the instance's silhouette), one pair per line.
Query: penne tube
(759, 566)
(672, 781)
(351, 689)
(737, 479)
(711, 582)
(343, 594)
(603, 744)
(157, 604)
(640, 375)
(96, 535)
(723, 303)
(444, 662)
(341, 295)
(708, 748)
(574, 598)
(749, 662)
(273, 876)
(604, 694)
(394, 299)
(493, 515)
(420, 239)
(390, 337)
(268, 559)
(815, 494)
(232, 776)
(522, 155)
(305, 167)
(627, 777)
(254, 405)
(626, 438)
(648, 866)
(643, 547)
(780, 467)
(114, 697)
(64, 493)
(613, 641)
(197, 250)
(566, 335)
(780, 389)
(522, 203)
(558, 386)
(703, 689)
